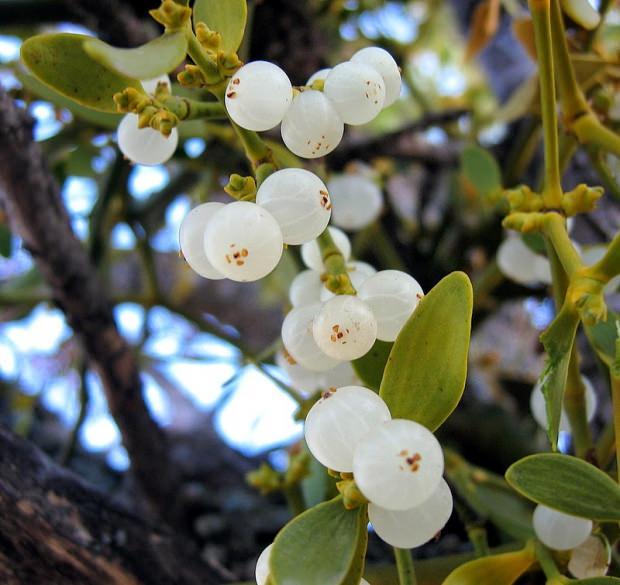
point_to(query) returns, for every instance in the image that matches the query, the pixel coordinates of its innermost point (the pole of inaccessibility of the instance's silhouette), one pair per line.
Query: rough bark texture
(56, 529)
(35, 209)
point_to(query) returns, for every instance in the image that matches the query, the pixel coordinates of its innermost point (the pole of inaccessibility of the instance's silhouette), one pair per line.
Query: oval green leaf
(325, 545)
(60, 62)
(369, 368)
(148, 61)
(567, 484)
(502, 569)
(425, 374)
(480, 172)
(228, 17)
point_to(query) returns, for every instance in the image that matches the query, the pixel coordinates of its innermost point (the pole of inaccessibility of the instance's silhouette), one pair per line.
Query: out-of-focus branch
(56, 529)
(37, 214)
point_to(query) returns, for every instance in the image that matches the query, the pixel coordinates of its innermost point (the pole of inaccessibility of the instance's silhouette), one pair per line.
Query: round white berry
(258, 96)
(145, 146)
(306, 288)
(150, 85)
(357, 92)
(191, 239)
(539, 409)
(345, 328)
(262, 566)
(398, 465)
(560, 531)
(320, 75)
(380, 60)
(417, 525)
(311, 253)
(299, 341)
(299, 201)
(337, 422)
(342, 375)
(302, 380)
(359, 272)
(518, 263)
(357, 201)
(392, 296)
(590, 559)
(243, 241)
(312, 127)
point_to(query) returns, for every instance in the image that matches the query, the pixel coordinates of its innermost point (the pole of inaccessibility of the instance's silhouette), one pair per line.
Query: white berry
(311, 253)
(345, 328)
(380, 60)
(299, 201)
(398, 465)
(299, 341)
(590, 559)
(539, 409)
(306, 288)
(392, 296)
(312, 127)
(243, 241)
(258, 96)
(191, 239)
(359, 272)
(560, 531)
(337, 422)
(145, 146)
(357, 92)
(518, 263)
(320, 75)
(417, 525)
(262, 566)
(357, 201)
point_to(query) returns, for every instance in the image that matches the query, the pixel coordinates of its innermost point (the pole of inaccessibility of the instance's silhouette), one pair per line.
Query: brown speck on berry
(236, 81)
(231, 94)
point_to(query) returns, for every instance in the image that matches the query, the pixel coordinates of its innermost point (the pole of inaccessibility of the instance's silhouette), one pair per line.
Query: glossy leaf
(425, 374)
(490, 497)
(325, 545)
(60, 62)
(480, 172)
(567, 484)
(502, 569)
(148, 61)
(228, 17)
(369, 368)
(558, 341)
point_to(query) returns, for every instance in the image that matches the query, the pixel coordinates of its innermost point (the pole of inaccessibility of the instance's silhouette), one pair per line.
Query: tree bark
(36, 212)
(57, 529)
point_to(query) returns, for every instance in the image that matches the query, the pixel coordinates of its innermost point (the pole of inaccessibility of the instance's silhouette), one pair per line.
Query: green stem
(546, 561)
(295, 499)
(478, 537)
(606, 445)
(575, 408)
(188, 109)
(404, 565)
(555, 230)
(207, 66)
(609, 265)
(541, 15)
(338, 280)
(615, 397)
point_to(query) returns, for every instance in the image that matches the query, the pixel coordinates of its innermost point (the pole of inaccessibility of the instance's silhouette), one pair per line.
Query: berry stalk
(404, 565)
(338, 280)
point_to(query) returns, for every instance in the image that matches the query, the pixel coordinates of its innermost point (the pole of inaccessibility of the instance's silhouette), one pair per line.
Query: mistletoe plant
(349, 323)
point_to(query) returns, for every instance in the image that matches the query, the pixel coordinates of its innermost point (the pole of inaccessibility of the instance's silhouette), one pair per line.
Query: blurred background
(465, 125)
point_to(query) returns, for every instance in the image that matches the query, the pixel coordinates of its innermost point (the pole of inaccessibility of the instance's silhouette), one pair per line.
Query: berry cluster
(323, 329)
(397, 464)
(260, 96)
(242, 240)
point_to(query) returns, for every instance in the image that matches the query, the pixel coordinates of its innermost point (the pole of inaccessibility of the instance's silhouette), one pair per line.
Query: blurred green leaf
(325, 545)
(567, 484)
(148, 61)
(60, 62)
(5, 240)
(425, 374)
(502, 569)
(480, 172)
(228, 17)
(369, 368)
(603, 336)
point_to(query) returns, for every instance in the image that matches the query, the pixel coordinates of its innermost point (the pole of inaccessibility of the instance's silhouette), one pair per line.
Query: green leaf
(156, 58)
(369, 368)
(558, 341)
(567, 484)
(535, 242)
(325, 545)
(425, 375)
(490, 497)
(603, 337)
(480, 172)
(60, 62)
(228, 17)
(502, 569)
(5, 241)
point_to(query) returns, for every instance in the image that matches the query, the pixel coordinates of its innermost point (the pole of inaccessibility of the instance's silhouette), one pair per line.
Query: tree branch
(35, 209)
(56, 529)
